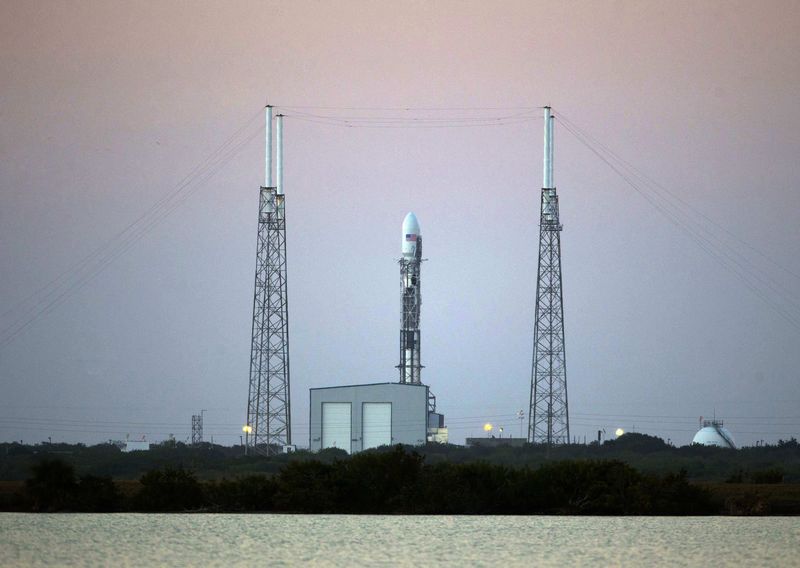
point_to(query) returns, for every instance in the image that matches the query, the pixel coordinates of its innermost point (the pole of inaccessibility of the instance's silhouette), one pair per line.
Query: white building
(136, 446)
(359, 417)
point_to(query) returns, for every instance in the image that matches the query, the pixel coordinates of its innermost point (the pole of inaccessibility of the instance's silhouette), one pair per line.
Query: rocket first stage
(410, 365)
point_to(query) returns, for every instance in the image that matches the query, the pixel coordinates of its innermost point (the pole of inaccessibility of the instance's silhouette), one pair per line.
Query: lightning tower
(411, 300)
(548, 419)
(268, 426)
(197, 428)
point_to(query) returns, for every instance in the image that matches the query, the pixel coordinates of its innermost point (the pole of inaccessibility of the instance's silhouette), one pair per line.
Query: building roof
(369, 385)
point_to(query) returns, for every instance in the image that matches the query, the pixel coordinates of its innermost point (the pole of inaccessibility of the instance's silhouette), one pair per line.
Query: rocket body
(411, 301)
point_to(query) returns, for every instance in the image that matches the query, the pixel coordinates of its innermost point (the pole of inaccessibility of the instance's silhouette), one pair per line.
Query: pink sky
(105, 106)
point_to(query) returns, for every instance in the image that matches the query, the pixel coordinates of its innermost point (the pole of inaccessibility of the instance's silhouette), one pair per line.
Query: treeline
(648, 454)
(644, 453)
(390, 482)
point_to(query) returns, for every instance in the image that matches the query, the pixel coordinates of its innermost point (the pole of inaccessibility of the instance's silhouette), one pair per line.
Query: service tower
(548, 419)
(410, 364)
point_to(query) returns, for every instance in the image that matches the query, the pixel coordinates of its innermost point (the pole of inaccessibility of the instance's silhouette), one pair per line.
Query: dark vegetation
(54, 487)
(636, 474)
(644, 453)
(395, 481)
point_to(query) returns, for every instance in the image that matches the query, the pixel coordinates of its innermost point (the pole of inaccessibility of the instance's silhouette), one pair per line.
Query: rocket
(411, 300)
(411, 237)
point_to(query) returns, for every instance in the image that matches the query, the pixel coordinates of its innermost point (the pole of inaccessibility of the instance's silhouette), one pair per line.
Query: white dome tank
(713, 434)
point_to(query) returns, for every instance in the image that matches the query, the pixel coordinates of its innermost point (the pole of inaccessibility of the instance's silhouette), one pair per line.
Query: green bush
(774, 475)
(306, 487)
(390, 481)
(96, 494)
(169, 489)
(250, 493)
(53, 485)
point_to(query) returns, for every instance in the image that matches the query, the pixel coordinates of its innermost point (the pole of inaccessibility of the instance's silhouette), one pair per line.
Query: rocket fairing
(411, 301)
(411, 236)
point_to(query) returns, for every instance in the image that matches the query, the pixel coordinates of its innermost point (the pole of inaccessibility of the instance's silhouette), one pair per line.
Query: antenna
(279, 153)
(547, 170)
(268, 149)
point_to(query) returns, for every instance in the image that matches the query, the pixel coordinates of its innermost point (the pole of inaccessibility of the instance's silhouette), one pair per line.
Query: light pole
(246, 429)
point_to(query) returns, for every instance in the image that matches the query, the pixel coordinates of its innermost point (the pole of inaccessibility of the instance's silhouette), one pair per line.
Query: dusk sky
(105, 107)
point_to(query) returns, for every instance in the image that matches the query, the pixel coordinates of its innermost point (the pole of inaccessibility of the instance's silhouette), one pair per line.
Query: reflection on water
(281, 540)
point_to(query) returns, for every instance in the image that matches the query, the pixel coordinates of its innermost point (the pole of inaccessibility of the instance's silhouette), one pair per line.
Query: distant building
(495, 442)
(136, 446)
(437, 431)
(359, 417)
(714, 434)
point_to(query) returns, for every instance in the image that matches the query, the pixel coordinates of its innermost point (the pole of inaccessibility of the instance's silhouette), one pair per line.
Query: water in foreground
(335, 540)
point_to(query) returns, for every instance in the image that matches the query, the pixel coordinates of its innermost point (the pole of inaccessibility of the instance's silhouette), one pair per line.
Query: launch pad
(358, 417)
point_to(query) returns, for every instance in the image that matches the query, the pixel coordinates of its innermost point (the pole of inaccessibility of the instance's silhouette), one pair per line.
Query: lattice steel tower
(197, 428)
(268, 426)
(548, 419)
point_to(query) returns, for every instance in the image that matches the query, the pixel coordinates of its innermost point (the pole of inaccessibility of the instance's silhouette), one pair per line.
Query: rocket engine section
(411, 300)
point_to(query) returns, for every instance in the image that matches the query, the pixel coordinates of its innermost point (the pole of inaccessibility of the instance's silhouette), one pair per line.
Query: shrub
(169, 489)
(250, 493)
(95, 494)
(52, 486)
(774, 475)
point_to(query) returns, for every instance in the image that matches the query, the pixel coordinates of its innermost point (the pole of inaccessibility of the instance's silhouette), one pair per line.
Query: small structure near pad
(359, 417)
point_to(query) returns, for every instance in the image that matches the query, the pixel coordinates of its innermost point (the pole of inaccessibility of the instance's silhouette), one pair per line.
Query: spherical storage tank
(713, 434)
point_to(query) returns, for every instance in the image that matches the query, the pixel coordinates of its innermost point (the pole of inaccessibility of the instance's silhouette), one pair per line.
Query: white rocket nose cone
(410, 224)
(410, 235)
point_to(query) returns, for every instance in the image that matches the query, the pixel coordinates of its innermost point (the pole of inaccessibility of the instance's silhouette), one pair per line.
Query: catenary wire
(677, 197)
(675, 202)
(723, 257)
(85, 271)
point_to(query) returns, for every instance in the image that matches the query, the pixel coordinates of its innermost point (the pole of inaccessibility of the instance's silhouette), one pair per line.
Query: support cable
(54, 293)
(728, 258)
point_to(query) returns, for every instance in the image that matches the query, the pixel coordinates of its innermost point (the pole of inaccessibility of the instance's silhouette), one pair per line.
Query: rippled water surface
(329, 540)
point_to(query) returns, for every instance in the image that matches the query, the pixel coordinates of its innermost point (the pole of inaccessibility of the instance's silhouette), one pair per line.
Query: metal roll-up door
(336, 425)
(376, 424)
